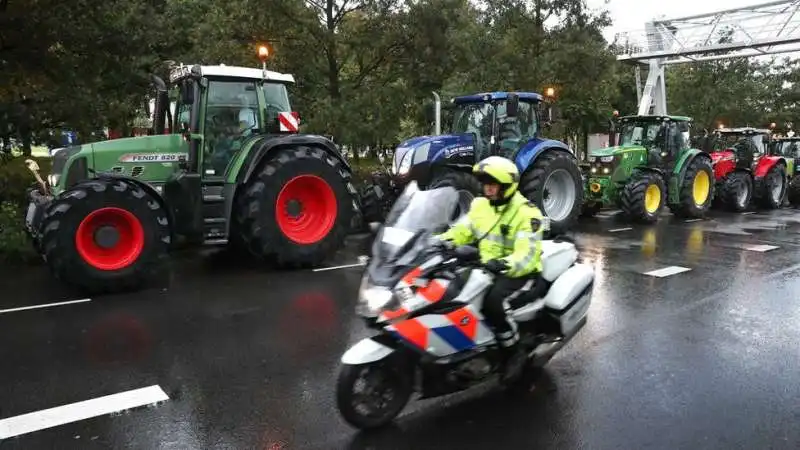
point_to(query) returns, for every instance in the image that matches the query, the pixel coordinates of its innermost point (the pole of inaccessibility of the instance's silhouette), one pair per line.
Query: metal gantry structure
(763, 29)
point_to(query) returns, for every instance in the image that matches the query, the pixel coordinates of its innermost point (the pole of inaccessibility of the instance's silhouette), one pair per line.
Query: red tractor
(744, 169)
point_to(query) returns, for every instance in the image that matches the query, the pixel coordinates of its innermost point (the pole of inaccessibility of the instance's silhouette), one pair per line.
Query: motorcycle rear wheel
(382, 378)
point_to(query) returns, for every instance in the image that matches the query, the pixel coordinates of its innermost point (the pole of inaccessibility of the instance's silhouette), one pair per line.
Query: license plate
(30, 213)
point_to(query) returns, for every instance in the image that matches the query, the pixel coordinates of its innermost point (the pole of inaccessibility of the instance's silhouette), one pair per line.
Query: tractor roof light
(263, 53)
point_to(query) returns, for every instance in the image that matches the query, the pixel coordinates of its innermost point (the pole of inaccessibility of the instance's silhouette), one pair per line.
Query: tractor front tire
(696, 190)
(767, 195)
(736, 191)
(794, 191)
(298, 208)
(642, 199)
(465, 183)
(554, 184)
(106, 235)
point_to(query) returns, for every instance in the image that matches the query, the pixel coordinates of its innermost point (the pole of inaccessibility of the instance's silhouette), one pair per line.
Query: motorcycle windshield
(403, 240)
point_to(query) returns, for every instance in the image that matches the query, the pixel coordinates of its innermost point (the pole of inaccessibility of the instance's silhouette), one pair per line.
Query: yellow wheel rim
(701, 187)
(652, 198)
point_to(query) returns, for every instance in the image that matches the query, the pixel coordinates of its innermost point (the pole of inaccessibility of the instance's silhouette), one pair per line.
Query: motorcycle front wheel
(372, 395)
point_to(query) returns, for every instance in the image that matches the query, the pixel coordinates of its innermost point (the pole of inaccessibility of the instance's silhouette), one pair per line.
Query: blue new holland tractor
(495, 123)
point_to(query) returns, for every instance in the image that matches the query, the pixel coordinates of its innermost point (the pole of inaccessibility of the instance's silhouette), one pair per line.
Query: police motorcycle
(425, 303)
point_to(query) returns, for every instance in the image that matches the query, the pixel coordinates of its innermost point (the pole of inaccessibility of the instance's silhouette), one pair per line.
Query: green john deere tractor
(229, 168)
(651, 166)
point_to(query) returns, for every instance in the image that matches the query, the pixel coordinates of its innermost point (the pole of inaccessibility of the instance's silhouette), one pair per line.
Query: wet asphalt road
(706, 358)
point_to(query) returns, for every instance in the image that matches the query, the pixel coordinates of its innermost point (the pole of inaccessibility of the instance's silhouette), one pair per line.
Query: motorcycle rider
(507, 230)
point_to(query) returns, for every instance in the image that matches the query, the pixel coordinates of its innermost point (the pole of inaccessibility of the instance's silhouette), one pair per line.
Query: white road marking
(25, 308)
(760, 248)
(667, 271)
(692, 220)
(748, 212)
(346, 266)
(620, 229)
(73, 412)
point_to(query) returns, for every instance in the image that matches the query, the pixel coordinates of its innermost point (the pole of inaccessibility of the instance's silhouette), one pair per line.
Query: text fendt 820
(652, 166)
(235, 172)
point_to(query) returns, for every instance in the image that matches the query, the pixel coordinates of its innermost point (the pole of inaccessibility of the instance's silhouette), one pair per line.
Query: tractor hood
(156, 148)
(619, 150)
(428, 148)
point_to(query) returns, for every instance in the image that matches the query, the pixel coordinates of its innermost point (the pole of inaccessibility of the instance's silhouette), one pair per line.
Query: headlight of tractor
(607, 159)
(405, 163)
(53, 178)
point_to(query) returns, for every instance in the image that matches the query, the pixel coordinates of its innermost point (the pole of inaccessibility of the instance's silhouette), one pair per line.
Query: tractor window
(641, 134)
(231, 117)
(475, 118)
(182, 112)
(277, 100)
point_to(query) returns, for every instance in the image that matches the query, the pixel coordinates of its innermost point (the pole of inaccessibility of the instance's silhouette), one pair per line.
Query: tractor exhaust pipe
(161, 105)
(437, 107)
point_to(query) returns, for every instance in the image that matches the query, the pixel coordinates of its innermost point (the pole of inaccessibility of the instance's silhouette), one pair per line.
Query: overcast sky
(632, 14)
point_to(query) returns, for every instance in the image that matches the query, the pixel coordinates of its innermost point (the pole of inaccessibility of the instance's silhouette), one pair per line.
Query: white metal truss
(764, 29)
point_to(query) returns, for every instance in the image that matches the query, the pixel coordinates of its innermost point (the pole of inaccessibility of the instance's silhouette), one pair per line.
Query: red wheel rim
(123, 251)
(306, 209)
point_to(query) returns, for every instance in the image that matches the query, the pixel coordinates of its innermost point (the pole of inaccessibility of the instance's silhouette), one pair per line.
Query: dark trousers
(495, 305)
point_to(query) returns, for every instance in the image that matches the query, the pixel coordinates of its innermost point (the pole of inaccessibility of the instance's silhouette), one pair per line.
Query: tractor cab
(500, 124)
(745, 145)
(662, 137)
(788, 147)
(220, 108)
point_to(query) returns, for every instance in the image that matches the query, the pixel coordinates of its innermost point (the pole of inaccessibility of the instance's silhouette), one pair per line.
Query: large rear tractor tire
(106, 235)
(696, 190)
(298, 208)
(794, 191)
(736, 191)
(642, 199)
(554, 184)
(772, 188)
(465, 183)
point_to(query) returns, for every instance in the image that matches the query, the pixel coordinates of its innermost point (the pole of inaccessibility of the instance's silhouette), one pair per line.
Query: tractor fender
(766, 163)
(147, 187)
(528, 155)
(686, 160)
(264, 147)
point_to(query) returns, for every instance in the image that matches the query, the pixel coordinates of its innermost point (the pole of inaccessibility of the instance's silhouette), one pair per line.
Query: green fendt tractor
(651, 166)
(233, 170)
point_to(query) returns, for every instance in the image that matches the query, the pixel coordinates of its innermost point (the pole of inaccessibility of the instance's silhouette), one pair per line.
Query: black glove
(497, 266)
(442, 245)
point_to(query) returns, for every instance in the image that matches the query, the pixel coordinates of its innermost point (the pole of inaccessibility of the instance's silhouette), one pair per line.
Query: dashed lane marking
(748, 213)
(47, 305)
(692, 220)
(667, 271)
(73, 412)
(615, 230)
(760, 248)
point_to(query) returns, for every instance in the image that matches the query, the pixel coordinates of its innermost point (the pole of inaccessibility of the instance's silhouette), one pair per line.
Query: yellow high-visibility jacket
(511, 232)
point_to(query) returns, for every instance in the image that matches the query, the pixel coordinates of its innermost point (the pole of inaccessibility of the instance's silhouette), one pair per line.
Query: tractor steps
(215, 223)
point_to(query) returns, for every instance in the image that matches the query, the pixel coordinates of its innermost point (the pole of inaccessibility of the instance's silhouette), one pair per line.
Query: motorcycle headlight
(373, 299)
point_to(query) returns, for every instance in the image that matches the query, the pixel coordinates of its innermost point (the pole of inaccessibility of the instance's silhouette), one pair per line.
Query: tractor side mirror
(512, 105)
